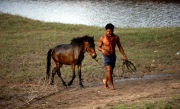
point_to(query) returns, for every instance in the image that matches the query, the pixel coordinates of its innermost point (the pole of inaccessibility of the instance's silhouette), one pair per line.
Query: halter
(87, 49)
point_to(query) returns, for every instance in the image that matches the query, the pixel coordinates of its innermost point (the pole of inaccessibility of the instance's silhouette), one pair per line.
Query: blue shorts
(109, 60)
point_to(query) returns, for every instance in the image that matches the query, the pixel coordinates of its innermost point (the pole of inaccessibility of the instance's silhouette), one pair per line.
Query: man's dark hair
(109, 26)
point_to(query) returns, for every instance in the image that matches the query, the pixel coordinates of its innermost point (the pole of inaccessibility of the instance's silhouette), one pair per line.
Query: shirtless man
(106, 45)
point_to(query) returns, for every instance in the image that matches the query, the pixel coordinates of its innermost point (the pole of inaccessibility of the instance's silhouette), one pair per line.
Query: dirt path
(127, 92)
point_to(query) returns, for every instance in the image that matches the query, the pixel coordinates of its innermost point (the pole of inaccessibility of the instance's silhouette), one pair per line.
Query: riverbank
(24, 44)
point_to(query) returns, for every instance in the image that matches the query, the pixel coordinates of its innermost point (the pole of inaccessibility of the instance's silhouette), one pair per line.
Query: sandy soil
(127, 92)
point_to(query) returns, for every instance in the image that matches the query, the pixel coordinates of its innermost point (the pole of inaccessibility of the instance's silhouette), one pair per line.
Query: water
(96, 13)
(145, 77)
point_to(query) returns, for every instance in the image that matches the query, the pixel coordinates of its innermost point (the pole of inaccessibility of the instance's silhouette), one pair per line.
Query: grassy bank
(24, 44)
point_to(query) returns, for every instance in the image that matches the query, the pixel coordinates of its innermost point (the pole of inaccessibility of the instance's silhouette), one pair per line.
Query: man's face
(109, 32)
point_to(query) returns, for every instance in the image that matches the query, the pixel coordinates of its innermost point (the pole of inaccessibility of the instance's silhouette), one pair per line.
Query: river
(121, 13)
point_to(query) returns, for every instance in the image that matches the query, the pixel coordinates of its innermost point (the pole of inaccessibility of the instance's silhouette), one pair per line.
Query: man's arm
(121, 48)
(100, 44)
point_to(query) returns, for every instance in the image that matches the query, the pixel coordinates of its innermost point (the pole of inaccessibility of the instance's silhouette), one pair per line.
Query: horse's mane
(80, 40)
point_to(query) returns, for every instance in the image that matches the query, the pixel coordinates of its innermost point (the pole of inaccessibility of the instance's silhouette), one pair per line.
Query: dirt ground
(94, 96)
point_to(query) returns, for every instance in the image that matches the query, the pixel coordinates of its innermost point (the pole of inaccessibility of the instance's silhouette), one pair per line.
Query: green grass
(172, 103)
(24, 44)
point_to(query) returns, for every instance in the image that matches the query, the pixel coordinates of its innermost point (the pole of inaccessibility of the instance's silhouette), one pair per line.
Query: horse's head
(90, 46)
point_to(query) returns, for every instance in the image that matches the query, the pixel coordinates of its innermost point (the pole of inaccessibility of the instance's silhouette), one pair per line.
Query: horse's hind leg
(73, 77)
(53, 74)
(59, 74)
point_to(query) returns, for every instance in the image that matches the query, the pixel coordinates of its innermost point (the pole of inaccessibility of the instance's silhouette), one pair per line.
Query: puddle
(145, 77)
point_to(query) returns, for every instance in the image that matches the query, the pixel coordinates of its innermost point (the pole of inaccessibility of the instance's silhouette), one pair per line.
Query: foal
(70, 54)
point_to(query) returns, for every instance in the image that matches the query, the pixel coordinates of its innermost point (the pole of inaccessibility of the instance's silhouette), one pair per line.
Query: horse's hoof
(64, 84)
(81, 86)
(65, 87)
(70, 83)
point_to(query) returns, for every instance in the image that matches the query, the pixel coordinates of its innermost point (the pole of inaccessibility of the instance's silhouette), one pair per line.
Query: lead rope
(129, 66)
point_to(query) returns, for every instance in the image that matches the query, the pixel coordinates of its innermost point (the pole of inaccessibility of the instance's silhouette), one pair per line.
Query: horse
(70, 54)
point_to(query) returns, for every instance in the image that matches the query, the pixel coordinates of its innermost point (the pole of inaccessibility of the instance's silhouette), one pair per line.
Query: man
(106, 45)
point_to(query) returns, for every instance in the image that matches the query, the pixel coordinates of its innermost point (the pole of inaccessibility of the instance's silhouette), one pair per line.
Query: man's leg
(105, 83)
(108, 77)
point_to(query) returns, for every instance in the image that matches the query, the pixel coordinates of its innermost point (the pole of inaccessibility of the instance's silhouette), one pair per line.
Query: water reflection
(97, 13)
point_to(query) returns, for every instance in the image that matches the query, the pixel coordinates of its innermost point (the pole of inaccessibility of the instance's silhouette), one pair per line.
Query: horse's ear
(93, 36)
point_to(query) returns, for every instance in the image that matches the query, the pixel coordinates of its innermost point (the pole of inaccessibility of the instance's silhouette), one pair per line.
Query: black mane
(80, 40)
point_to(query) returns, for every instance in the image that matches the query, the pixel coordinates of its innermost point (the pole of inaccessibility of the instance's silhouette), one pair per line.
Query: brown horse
(70, 54)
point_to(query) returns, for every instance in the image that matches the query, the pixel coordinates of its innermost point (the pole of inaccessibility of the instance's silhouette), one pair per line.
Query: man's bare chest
(109, 41)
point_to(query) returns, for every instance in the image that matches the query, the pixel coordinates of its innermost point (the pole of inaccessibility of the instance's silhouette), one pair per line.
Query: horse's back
(63, 48)
(63, 53)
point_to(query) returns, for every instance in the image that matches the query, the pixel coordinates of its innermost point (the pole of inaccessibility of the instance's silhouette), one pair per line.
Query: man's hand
(105, 52)
(125, 58)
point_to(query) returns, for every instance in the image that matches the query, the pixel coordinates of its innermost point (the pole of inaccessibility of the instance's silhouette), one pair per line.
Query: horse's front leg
(80, 80)
(73, 77)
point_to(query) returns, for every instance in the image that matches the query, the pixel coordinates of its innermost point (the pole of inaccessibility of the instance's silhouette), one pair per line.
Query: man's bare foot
(105, 83)
(112, 87)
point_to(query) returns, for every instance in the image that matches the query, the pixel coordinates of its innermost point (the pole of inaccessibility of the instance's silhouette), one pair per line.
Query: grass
(169, 104)
(24, 44)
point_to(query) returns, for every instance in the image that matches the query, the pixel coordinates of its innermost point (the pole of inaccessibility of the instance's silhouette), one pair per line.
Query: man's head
(109, 29)
(109, 26)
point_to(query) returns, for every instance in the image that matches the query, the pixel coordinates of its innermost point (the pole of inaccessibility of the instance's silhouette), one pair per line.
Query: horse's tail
(48, 63)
